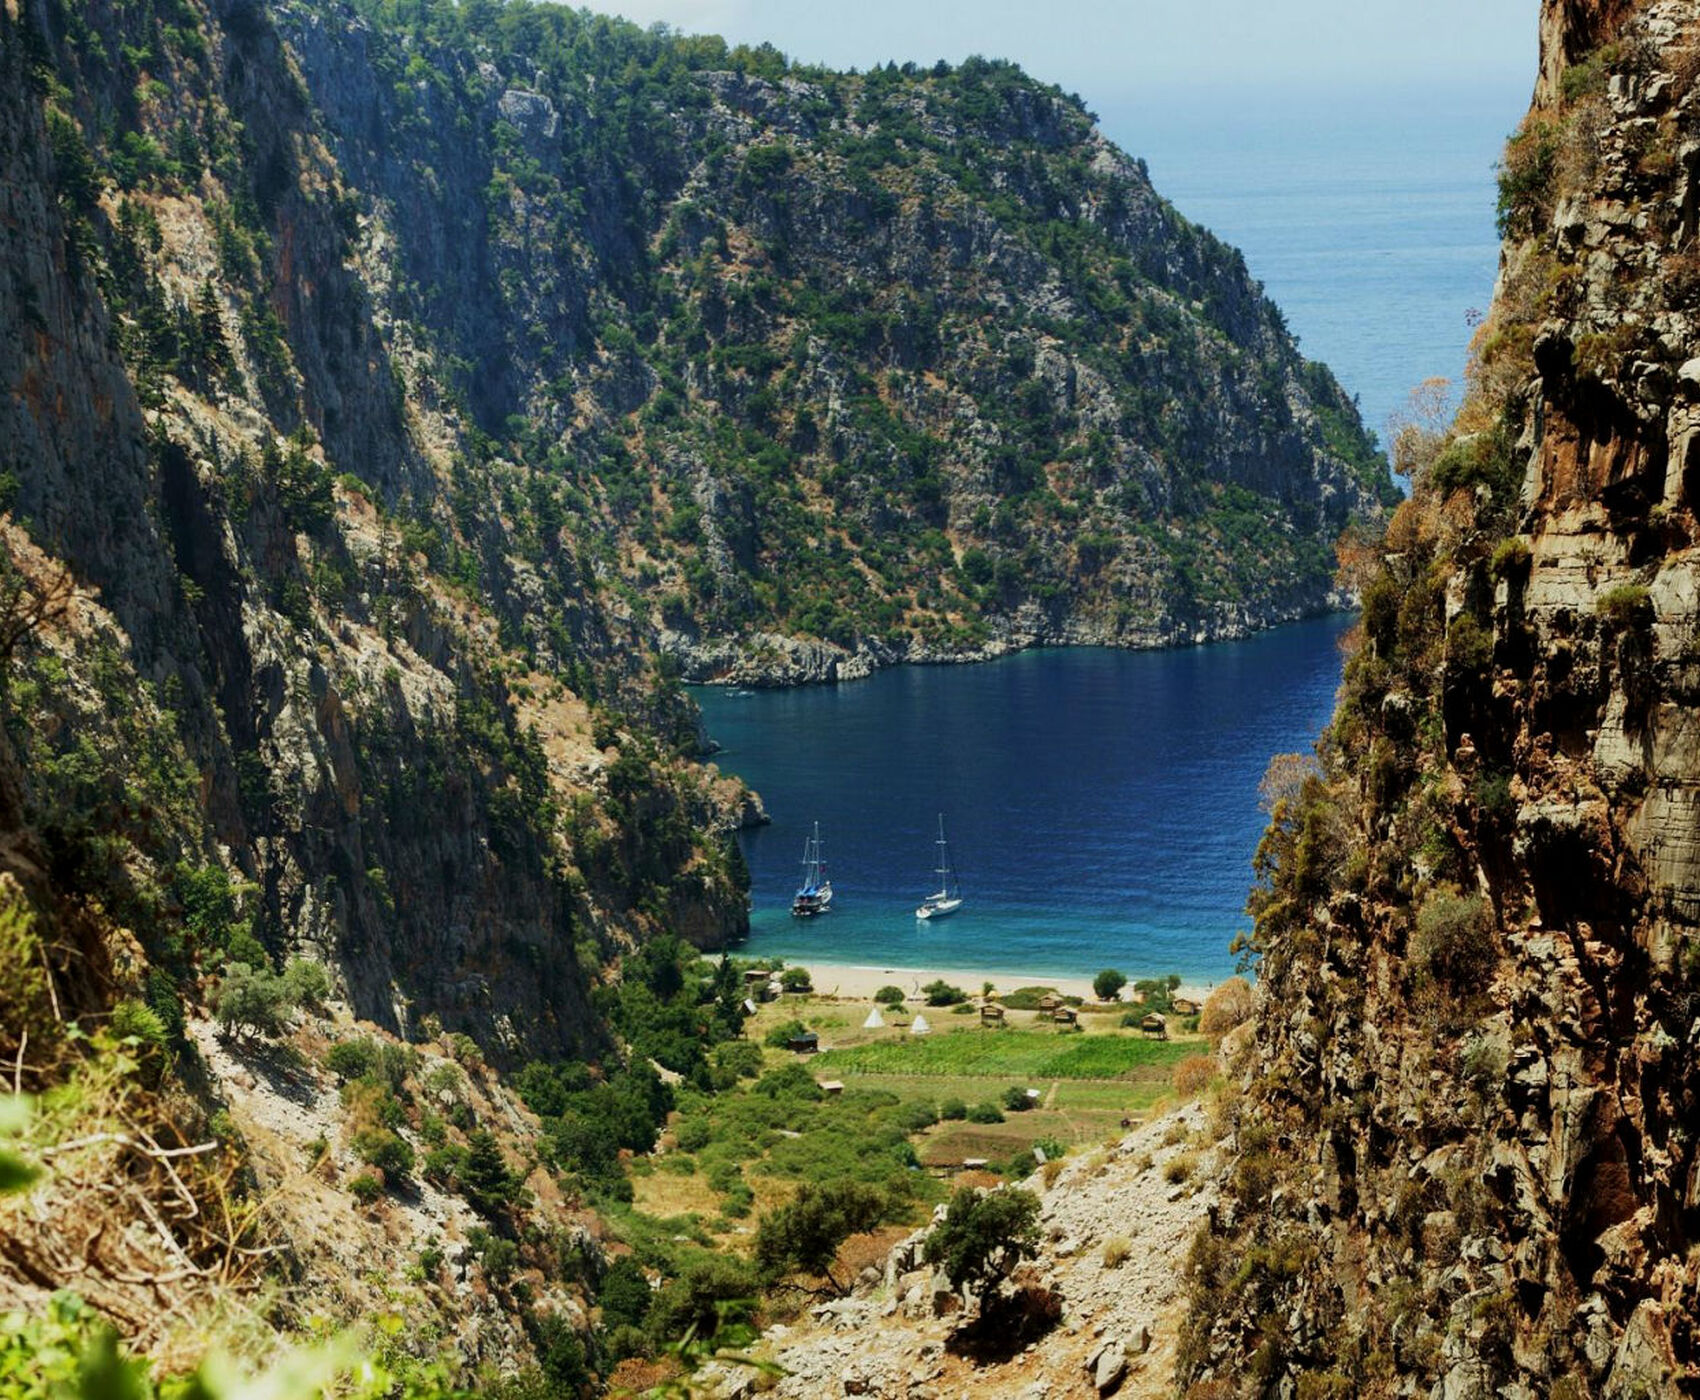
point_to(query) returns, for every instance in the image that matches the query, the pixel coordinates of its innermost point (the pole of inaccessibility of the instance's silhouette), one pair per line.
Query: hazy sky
(1107, 50)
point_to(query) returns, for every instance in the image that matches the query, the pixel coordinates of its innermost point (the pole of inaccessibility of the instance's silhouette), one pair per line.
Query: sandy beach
(860, 982)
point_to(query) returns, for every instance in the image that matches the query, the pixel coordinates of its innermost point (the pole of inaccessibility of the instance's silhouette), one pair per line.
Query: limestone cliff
(1467, 1155)
(287, 682)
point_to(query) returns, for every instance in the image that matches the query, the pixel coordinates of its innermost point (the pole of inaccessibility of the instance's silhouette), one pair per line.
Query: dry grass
(1116, 1251)
(1226, 1007)
(1193, 1075)
(663, 1194)
(1180, 1168)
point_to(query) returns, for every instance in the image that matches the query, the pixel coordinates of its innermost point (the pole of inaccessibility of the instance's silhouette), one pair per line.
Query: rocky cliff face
(285, 682)
(1467, 1155)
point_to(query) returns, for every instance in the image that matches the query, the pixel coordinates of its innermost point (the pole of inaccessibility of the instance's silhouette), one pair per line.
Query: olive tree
(983, 1236)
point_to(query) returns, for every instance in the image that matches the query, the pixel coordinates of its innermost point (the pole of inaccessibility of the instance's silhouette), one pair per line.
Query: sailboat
(814, 890)
(948, 898)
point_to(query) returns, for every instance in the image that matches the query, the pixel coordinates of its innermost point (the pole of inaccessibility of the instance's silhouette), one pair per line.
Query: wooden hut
(1066, 1015)
(1154, 1025)
(831, 1086)
(1183, 1006)
(805, 1043)
(1048, 1005)
(991, 1014)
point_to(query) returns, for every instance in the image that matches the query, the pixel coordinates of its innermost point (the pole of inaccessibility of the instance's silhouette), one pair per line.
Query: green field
(1011, 1054)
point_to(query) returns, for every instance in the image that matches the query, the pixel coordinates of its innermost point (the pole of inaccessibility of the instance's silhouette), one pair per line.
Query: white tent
(919, 1026)
(875, 1021)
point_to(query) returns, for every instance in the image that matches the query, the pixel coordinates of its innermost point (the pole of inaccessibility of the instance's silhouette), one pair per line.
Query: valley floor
(1117, 1225)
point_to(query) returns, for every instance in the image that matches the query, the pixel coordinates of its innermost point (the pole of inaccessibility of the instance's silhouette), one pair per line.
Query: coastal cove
(1101, 804)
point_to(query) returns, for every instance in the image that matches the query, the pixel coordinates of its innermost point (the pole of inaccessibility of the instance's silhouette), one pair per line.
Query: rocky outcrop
(1466, 1167)
(1116, 1226)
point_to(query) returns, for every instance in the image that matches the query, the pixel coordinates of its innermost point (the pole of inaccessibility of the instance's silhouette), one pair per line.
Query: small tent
(919, 1026)
(875, 1021)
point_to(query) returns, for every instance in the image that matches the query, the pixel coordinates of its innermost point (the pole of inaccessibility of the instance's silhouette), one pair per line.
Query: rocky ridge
(1466, 1164)
(909, 365)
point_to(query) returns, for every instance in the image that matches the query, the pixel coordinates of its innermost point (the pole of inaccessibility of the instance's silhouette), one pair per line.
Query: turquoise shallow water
(1101, 805)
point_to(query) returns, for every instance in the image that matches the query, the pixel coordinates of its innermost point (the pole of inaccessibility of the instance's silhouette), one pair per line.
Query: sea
(1101, 807)
(1367, 215)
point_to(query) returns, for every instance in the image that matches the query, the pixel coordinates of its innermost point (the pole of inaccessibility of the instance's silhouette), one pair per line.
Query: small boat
(814, 890)
(948, 898)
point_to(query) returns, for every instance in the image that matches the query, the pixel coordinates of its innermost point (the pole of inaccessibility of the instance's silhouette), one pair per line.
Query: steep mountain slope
(910, 362)
(397, 401)
(433, 801)
(1467, 1157)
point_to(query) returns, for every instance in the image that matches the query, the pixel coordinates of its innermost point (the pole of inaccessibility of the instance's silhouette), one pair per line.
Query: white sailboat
(948, 898)
(814, 890)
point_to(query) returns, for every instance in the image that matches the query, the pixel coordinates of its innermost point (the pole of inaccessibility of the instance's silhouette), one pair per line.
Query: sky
(1110, 50)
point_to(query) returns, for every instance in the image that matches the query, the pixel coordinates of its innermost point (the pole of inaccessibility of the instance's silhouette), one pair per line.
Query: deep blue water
(1368, 216)
(1101, 805)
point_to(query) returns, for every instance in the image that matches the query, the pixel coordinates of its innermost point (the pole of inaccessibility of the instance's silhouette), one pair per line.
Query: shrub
(1116, 1251)
(739, 1058)
(804, 1236)
(913, 1117)
(463, 1050)
(1511, 558)
(983, 1236)
(889, 996)
(985, 1113)
(789, 1081)
(1027, 998)
(365, 1188)
(1226, 1007)
(796, 979)
(1625, 605)
(1469, 646)
(137, 1020)
(625, 1294)
(1454, 942)
(1179, 1168)
(1108, 984)
(307, 981)
(781, 1035)
(941, 993)
(352, 1059)
(252, 1001)
(499, 1257)
(387, 1151)
(692, 1134)
(1193, 1074)
(953, 1110)
(1016, 1099)
(711, 1290)
(445, 1166)
(1525, 178)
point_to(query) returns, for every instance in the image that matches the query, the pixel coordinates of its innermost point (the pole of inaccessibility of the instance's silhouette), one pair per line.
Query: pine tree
(489, 1185)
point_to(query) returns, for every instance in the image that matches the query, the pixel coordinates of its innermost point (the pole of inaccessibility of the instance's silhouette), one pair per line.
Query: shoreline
(859, 981)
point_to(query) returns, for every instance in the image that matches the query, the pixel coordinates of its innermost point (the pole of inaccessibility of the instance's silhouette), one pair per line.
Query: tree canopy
(984, 1235)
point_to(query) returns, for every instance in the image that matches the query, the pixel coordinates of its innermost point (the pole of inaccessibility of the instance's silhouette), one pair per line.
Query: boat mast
(943, 871)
